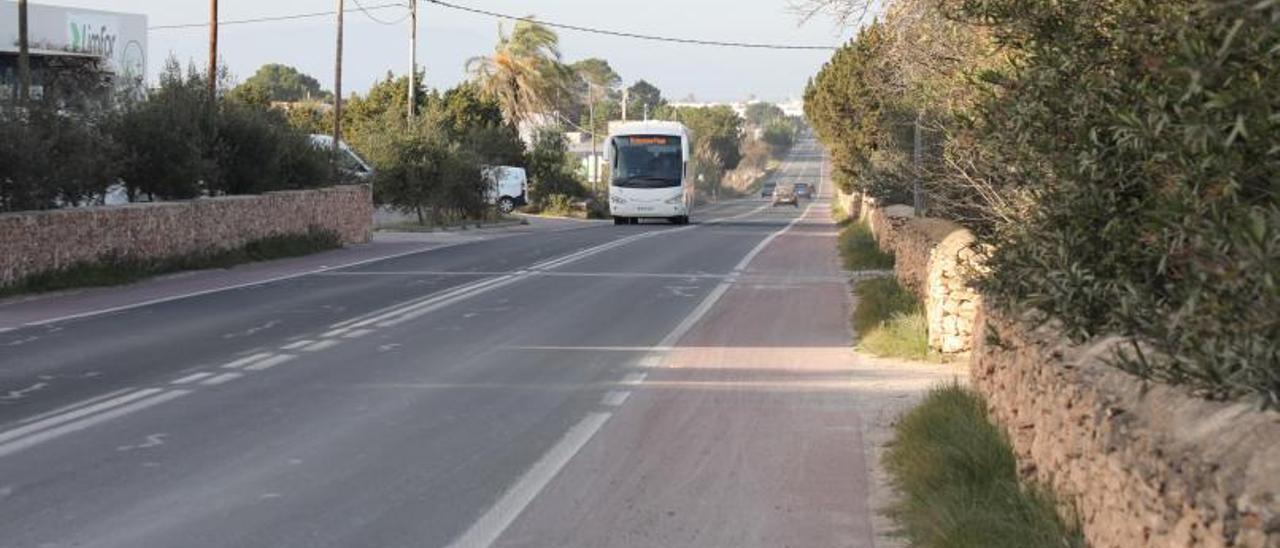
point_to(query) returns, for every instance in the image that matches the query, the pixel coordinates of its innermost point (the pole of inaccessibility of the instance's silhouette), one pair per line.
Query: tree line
(1120, 159)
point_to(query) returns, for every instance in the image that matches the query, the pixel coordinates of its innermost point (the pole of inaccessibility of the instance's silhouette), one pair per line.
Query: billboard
(119, 39)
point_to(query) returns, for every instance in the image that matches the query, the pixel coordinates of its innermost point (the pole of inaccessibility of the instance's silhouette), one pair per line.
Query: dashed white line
(223, 378)
(270, 362)
(634, 378)
(192, 378)
(296, 344)
(614, 398)
(320, 345)
(247, 360)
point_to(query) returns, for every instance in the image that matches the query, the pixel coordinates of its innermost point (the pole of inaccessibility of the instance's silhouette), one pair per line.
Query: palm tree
(524, 74)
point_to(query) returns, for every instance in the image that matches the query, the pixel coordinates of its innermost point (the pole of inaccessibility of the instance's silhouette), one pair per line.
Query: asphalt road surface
(648, 385)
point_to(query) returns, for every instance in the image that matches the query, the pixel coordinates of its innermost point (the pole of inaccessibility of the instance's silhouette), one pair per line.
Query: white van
(349, 163)
(508, 187)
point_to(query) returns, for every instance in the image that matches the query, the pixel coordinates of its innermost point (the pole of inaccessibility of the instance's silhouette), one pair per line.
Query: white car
(508, 187)
(350, 164)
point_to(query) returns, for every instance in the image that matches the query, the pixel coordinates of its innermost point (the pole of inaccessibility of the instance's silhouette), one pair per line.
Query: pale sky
(448, 38)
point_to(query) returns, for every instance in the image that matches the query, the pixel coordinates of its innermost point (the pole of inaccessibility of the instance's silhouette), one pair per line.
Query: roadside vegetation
(859, 250)
(957, 481)
(889, 320)
(1119, 158)
(124, 270)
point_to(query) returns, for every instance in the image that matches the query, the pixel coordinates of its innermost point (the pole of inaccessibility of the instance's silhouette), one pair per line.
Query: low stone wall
(932, 258)
(42, 241)
(1141, 464)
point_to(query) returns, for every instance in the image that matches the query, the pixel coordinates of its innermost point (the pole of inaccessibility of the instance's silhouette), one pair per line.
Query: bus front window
(647, 161)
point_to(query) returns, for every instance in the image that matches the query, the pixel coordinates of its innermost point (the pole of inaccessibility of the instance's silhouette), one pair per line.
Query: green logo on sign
(77, 37)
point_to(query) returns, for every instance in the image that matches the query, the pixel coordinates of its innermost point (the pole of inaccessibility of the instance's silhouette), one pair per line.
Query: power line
(380, 21)
(622, 34)
(289, 17)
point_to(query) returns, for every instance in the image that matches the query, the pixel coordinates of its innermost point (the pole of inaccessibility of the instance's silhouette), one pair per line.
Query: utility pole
(646, 112)
(595, 163)
(213, 49)
(413, 53)
(626, 93)
(337, 92)
(24, 55)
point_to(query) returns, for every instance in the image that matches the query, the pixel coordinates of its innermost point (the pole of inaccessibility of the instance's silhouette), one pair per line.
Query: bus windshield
(647, 161)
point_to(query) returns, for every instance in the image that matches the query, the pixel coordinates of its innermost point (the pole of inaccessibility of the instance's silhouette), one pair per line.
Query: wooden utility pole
(337, 92)
(213, 49)
(24, 55)
(413, 53)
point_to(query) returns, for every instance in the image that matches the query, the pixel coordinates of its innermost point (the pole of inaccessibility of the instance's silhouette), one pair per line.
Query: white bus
(650, 175)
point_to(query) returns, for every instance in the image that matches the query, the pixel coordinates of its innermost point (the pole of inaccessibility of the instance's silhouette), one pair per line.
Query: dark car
(803, 190)
(766, 190)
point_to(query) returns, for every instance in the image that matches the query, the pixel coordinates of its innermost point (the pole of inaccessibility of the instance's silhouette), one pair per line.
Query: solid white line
(73, 415)
(615, 398)
(223, 378)
(296, 345)
(490, 526)
(76, 405)
(270, 362)
(247, 360)
(30, 441)
(192, 378)
(357, 333)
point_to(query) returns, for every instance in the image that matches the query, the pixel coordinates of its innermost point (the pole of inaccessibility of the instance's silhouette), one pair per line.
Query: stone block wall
(42, 241)
(1143, 465)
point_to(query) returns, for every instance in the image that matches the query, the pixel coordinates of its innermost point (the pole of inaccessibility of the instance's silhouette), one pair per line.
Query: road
(607, 385)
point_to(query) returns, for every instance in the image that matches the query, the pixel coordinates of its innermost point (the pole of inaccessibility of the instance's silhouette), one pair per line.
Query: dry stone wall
(42, 241)
(1143, 465)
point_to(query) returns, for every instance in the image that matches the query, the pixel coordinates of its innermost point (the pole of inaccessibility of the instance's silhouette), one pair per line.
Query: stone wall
(43, 241)
(1141, 464)
(933, 259)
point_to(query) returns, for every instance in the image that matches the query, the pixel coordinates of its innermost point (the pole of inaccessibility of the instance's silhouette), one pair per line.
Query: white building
(58, 37)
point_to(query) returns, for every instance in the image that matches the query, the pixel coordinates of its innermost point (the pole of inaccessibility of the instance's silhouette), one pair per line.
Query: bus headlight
(677, 200)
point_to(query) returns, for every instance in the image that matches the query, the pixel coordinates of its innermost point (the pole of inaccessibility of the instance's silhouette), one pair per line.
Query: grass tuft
(889, 320)
(957, 480)
(859, 250)
(122, 270)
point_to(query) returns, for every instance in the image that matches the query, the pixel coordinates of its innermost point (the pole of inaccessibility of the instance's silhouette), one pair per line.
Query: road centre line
(246, 360)
(223, 378)
(615, 398)
(192, 378)
(11, 447)
(489, 526)
(270, 362)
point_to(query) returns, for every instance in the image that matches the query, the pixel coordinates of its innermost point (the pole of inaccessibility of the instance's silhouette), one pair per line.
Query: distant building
(61, 39)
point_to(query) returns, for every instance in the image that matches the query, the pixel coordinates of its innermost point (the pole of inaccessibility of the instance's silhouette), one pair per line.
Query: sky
(447, 38)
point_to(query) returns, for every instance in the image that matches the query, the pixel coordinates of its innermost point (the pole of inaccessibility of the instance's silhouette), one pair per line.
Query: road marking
(247, 360)
(357, 333)
(320, 345)
(74, 406)
(192, 378)
(12, 447)
(634, 378)
(73, 415)
(490, 526)
(296, 345)
(270, 362)
(486, 530)
(614, 398)
(223, 378)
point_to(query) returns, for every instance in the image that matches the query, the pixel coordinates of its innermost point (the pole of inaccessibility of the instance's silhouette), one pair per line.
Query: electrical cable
(269, 19)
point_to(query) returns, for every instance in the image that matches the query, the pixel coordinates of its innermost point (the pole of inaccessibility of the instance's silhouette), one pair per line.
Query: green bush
(859, 250)
(422, 172)
(889, 320)
(557, 204)
(52, 157)
(958, 481)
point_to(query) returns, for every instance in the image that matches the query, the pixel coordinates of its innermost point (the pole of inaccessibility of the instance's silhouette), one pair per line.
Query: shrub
(52, 157)
(551, 169)
(422, 172)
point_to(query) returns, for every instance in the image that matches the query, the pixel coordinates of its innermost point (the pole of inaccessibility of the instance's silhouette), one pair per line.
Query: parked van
(350, 164)
(508, 187)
